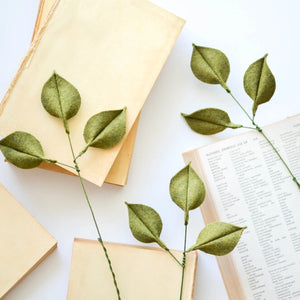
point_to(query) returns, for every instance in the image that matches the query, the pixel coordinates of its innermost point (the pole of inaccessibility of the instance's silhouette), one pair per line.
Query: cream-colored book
(118, 173)
(112, 51)
(145, 273)
(248, 185)
(24, 243)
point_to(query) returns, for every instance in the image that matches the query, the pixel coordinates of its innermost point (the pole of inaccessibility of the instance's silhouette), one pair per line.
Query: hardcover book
(249, 186)
(112, 51)
(24, 243)
(142, 272)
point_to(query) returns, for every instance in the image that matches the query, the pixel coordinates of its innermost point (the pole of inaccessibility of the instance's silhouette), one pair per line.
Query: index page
(249, 186)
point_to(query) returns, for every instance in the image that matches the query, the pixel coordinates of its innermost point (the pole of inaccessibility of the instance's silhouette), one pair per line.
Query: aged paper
(24, 243)
(249, 186)
(112, 51)
(118, 173)
(146, 273)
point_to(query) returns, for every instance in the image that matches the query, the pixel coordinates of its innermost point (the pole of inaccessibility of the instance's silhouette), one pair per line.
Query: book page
(250, 187)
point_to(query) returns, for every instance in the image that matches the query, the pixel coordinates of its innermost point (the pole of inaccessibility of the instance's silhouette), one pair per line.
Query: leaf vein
(220, 79)
(35, 156)
(154, 235)
(104, 128)
(221, 237)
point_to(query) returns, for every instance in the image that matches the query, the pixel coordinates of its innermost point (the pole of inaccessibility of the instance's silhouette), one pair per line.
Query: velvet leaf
(259, 83)
(105, 129)
(209, 121)
(145, 223)
(60, 98)
(210, 65)
(22, 150)
(187, 190)
(218, 238)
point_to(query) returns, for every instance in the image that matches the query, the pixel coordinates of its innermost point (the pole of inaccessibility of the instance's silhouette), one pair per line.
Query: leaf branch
(94, 219)
(258, 129)
(183, 260)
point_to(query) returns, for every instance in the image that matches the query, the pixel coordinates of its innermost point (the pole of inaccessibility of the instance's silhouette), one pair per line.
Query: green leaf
(187, 190)
(60, 98)
(210, 66)
(145, 224)
(259, 83)
(218, 238)
(209, 121)
(105, 129)
(22, 149)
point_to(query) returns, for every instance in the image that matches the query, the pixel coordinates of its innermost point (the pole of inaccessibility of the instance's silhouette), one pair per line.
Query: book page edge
(27, 58)
(209, 214)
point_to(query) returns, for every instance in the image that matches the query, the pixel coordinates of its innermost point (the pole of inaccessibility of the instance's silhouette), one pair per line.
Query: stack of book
(113, 53)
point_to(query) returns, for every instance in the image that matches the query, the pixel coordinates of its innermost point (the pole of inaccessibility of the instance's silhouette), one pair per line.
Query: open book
(118, 173)
(145, 273)
(248, 185)
(24, 243)
(111, 51)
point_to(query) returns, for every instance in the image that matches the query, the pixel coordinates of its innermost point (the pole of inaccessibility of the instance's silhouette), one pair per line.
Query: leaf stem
(82, 151)
(183, 260)
(65, 165)
(66, 126)
(53, 161)
(168, 250)
(280, 157)
(257, 128)
(248, 127)
(239, 104)
(94, 219)
(65, 122)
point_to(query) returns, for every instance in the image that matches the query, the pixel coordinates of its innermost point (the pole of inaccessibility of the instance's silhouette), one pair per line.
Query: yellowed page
(146, 273)
(24, 243)
(248, 185)
(112, 51)
(210, 215)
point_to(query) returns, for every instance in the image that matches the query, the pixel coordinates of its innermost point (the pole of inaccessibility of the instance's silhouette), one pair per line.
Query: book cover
(112, 52)
(118, 173)
(24, 243)
(249, 186)
(142, 272)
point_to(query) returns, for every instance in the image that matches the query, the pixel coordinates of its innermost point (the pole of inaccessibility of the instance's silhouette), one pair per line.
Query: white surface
(245, 31)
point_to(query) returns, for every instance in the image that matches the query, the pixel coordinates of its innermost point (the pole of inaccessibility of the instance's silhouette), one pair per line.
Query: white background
(245, 31)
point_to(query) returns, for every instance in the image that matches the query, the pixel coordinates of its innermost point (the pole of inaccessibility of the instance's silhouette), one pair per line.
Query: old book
(142, 272)
(118, 173)
(24, 243)
(248, 185)
(112, 51)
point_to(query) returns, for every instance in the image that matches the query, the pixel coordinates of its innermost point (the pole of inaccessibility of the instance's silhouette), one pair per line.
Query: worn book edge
(26, 61)
(209, 213)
